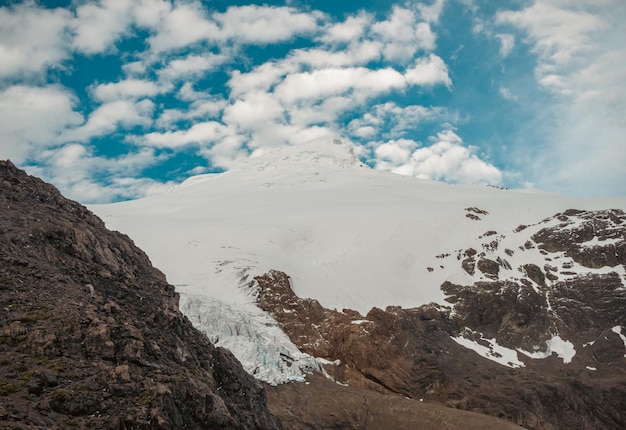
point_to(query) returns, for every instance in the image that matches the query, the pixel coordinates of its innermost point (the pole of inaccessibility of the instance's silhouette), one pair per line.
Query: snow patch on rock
(489, 349)
(564, 349)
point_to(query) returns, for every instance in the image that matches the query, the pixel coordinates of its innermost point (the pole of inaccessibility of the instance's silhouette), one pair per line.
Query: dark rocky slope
(323, 404)
(91, 335)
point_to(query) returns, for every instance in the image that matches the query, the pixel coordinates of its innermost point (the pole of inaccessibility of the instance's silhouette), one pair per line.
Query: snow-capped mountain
(350, 237)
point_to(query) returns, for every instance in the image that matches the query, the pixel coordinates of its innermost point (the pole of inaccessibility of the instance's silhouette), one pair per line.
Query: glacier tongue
(252, 336)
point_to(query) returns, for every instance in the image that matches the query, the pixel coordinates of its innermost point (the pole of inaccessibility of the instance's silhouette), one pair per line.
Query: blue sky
(117, 99)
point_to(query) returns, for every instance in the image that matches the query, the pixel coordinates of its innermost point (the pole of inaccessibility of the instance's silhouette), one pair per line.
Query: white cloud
(287, 134)
(99, 25)
(202, 108)
(358, 53)
(320, 84)
(201, 133)
(306, 93)
(255, 109)
(109, 116)
(429, 70)
(507, 42)
(446, 159)
(402, 36)
(507, 94)
(364, 131)
(425, 37)
(32, 39)
(558, 33)
(264, 24)
(261, 78)
(32, 118)
(226, 153)
(126, 89)
(72, 168)
(348, 31)
(325, 112)
(432, 12)
(393, 121)
(189, 23)
(398, 34)
(581, 59)
(395, 152)
(181, 26)
(150, 13)
(191, 66)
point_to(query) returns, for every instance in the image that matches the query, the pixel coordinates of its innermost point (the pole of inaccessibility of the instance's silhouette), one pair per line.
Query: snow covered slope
(348, 236)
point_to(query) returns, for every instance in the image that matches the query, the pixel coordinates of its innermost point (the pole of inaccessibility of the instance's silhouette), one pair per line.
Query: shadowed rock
(91, 335)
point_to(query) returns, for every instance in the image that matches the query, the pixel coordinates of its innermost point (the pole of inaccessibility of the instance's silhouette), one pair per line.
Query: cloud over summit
(166, 88)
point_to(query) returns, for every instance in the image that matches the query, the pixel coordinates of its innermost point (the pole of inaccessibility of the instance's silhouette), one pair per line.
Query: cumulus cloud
(191, 65)
(189, 23)
(332, 81)
(160, 99)
(431, 12)
(31, 118)
(261, 78)
(255, 109)
(445, 159)
(200, 133)
(127, 89)
(109, 117)
(98, 25)
(353, 28)
(226, 153)
(394, 153)
(429, 70)
(397, 33)
(287, 134)
(357, 53)
(265, 24)
(200, 109)
(325, 112)
(392, 120)
(32, 39)
(73, 166)
(183, 25)
(425, 37)
(403, 36)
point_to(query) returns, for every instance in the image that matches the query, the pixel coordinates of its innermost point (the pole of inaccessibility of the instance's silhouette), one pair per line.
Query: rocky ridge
(91, 335)
(537, 338)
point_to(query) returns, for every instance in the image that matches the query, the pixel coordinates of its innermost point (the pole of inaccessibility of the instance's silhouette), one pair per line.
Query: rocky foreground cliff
(91, 335)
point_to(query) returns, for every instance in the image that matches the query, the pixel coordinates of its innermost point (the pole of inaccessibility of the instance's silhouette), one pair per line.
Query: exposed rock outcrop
(550, 340)
(91, 335)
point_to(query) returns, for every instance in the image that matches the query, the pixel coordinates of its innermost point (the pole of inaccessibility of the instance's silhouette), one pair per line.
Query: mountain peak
(315, 154)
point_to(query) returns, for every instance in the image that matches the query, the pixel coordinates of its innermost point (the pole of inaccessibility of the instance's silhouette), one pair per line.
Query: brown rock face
(91, 335)
(411, 352)
(577, 227)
